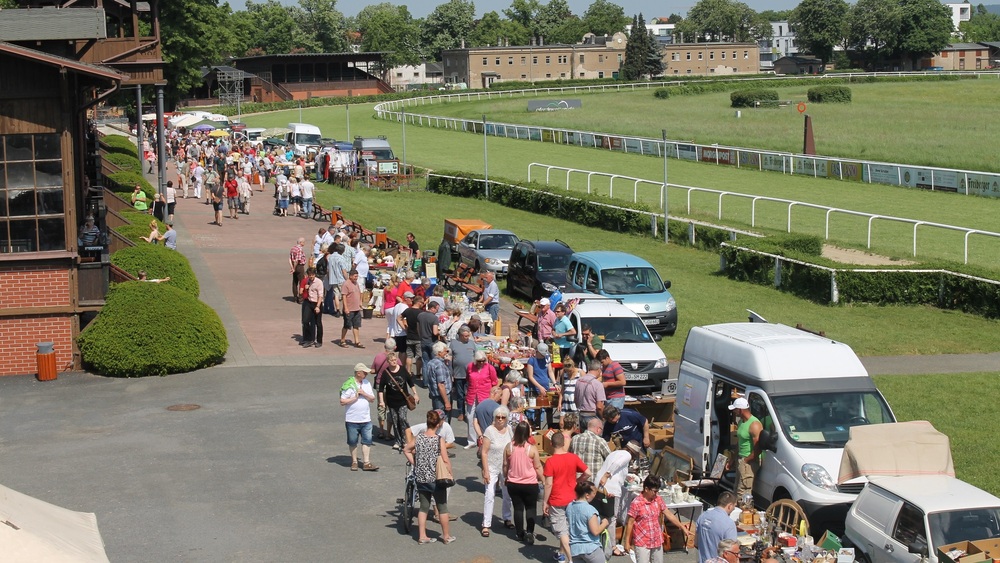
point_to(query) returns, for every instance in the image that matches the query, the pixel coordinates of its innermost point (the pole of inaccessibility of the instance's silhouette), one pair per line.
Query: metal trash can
(46, 360)
(381, 238)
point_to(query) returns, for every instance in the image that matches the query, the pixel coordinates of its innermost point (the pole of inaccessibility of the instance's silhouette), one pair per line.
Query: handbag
(411, 401)
(444, 477)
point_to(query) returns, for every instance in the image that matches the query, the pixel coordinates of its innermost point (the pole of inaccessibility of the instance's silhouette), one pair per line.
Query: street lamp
(486, 160)
(666, 220)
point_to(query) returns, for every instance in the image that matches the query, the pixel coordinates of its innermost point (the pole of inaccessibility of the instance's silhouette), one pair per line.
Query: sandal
(354, 466)
(342, 345)
(448, 540)
(369, 467)
(485, 532)
(427, 540)
(508, 524)
(358, 345)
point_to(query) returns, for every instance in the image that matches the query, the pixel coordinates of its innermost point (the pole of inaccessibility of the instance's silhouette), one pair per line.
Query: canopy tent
(185, 120)
(219, 133)
(34, 530)
(203, 127)
(899, 448)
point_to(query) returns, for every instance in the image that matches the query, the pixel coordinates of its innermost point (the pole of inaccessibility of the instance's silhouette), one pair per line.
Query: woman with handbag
(495, 439)
(397, 392)
(427, 454)
(523, 470)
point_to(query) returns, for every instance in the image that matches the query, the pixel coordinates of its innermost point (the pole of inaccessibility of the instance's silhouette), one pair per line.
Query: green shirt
(743, 434)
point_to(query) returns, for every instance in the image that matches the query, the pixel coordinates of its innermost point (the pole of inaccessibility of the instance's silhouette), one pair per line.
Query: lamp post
(486, 160)
(402, 114)
(300, 111)
(666, 220)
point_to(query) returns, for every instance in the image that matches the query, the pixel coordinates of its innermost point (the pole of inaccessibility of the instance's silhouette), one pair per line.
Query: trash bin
(381, 237)
(46, 358)
(430, 256)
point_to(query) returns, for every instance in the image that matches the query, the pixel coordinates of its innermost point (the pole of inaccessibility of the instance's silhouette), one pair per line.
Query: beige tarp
(33, 530)
(901, 448)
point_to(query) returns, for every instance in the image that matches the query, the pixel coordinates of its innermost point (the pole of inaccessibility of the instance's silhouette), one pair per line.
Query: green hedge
(126, 162)
(661, 93)
(159, 262)
(152, 329)
(123, 183)
(120, 144)
(533, 197)
(139, 227)
(830, 94)
(753, 97)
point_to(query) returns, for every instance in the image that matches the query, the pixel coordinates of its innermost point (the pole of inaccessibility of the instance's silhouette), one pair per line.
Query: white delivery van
(304, 139)
(807, 391)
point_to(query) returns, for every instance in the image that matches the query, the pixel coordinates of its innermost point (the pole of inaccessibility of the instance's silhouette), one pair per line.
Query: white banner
(981, 184)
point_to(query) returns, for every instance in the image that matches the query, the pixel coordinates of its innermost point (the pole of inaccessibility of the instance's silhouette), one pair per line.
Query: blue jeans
(494, 310)
(307, 206)
(618, 402)
(354, 429)
(459, 387)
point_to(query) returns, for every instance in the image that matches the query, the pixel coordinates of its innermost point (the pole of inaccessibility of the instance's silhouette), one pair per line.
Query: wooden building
(799, 65)
(302, 76)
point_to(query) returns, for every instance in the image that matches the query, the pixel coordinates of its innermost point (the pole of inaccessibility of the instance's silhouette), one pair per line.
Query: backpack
(322, 267)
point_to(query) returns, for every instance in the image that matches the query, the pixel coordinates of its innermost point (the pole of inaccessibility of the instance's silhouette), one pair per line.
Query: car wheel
(478, 267)
(861, 557)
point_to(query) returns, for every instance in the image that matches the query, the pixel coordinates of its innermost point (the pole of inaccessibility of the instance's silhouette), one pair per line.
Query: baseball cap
(362, 367)
(542, 348)
(440, 413)
(170, 223)
(409, 295)
(739, 403)
(544, 301)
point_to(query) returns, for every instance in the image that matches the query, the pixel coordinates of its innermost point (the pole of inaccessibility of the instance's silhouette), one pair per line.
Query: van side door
(692, 415)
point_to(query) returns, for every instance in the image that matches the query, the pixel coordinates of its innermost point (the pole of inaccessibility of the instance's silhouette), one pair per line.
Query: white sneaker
(470, 445)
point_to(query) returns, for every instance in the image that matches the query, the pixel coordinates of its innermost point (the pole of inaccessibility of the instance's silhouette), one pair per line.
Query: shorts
(413, 348)
(282, 204)
(170, 207)
(234, 202)
(352, 319)
(217, 206)
(356, 430)
(439, 495)
(297, 200)
(400, 344)
(560, 525)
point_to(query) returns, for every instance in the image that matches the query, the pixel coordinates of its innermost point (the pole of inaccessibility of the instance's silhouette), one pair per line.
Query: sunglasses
(499, 418)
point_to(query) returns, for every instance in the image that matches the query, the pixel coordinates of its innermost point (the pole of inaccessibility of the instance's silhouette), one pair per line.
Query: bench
(462, 275)
(530, 328)
(330, 215)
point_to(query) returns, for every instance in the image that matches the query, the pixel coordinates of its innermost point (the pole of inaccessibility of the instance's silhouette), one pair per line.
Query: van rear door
(692, 418)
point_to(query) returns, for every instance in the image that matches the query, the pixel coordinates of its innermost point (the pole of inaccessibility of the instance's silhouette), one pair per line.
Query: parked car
(902, 519)
(629, 278)
(487, 249)
(538, 267)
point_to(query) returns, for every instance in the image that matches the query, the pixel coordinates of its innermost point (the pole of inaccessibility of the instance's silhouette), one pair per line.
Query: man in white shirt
(611, 483)
(491, 295)
(357, 395)
(307, 189)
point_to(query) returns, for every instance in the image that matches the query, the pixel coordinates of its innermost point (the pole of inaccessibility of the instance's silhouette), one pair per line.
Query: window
(581, 271)
(548, 75)
(486, 61)
(675, 56)
(734, 55)
(510, 60)
(688, 55)
(562, 75)
(723, 54)
(600, 74)
(399, 75)
(563, 59)
(591, 280)
(701, 56)
(548, 59)
(32, 211)
(524, 60)
(619, 58)
(600, 58)
(689, 71)
(746, 55)
(534, 60)
(498, 61)
(909, 526)
(581, 59)
(524, 76)
(416, 75)
(711, 56)
(676, 71)
(711, 70)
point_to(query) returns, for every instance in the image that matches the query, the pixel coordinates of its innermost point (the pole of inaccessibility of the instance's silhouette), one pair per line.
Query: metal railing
(830, 211)
(968, 182)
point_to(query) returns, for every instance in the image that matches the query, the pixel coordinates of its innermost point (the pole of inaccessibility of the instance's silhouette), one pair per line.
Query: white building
(414, 77)
(664, 32)
(960, 13)
(781, 44)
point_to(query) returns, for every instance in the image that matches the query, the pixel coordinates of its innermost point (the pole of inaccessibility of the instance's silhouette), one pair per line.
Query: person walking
(463, 351)
(312, 315)
(437, 377)
(610, 485)
(495, 440)
(491, 294)
(522, 469)
(171, 200)
(585, 526)
(395, 384)
(297, 267)
(481, 377)
(357, 395)
(560, 489)
(613, 378)
(351, 309)
(715, 525)
(644, 528)
(423, 453)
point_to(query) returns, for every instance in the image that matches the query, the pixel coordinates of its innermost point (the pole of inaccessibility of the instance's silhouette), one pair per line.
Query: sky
(649, 8)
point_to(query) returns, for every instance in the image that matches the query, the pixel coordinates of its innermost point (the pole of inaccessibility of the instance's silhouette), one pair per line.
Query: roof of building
(206, 71)
(963, 47)
(368, 55)
(61, 62)
(52, 24)
(994, 44)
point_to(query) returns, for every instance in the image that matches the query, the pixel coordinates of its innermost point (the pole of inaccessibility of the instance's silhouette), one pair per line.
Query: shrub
(662, 93)
(120, 144)
(124, 161)
(831, 94)
(749, 98)
(159, 262)
(122, 183)
(152, 329)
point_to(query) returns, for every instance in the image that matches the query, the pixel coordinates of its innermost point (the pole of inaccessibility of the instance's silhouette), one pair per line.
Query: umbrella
(38, 531)
(203, 127)
(219, 133)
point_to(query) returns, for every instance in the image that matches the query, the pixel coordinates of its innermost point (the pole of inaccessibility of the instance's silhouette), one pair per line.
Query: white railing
(830, 211)
(968, 182)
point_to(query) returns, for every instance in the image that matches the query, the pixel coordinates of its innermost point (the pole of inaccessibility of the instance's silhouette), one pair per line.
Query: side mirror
(768, 441)
(918, 547)
(666, 284)
(657, 337)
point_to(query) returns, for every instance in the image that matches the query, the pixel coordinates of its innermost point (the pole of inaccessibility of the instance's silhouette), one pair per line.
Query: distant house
(711, 59)
(410, 77)
(799, 65)
(960, 56)
(994, 53)
(782, 43)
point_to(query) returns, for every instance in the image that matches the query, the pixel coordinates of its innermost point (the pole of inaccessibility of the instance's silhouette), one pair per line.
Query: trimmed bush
(831, 94)
(662, 93)
(124, 161)
(120, 144)
(753, 97)
(122, 183)
(159, 262)
(152, 329)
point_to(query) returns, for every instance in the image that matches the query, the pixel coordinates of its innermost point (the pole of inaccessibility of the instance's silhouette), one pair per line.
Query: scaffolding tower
(231, 88)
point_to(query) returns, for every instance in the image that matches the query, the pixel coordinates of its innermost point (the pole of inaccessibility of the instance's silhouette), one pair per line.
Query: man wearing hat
(747, 434)
(357, 395)
(546, 319)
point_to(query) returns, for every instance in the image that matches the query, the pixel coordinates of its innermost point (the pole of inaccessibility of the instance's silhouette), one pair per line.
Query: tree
(675, 19)
(723, 20)
(605, 18)
(776, 15)
(569, 31)
(323, 24)
(653, 64)
(642, 53)
(389, 28)
(982, 26)
(8, 4)
(820, 25)
(925, 28)
(873, 29)
(274, 27)
(494, 30)
(195, 33)
(550, 19)
(447, 26)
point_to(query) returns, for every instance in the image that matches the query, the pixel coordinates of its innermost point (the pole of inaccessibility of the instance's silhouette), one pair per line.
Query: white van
(304, 139)
(807, 391)
(626, 339)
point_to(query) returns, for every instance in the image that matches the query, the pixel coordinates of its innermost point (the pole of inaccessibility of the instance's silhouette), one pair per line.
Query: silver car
(487, 249)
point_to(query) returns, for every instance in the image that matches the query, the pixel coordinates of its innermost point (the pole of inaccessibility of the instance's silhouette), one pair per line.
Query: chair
(786, 515)
(672, 466)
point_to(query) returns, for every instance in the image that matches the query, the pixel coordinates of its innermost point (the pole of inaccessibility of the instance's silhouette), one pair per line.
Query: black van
(537, 267)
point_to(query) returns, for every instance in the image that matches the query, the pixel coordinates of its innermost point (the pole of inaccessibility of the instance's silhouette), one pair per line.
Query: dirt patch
(860, 257)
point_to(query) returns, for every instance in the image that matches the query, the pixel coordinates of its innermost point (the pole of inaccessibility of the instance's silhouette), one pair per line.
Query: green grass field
(946, 124)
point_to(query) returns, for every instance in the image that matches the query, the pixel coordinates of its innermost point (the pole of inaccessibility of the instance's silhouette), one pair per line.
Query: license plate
(636, 376)
(648, 322)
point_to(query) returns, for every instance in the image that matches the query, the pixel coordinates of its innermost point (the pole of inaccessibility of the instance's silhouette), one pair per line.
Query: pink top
(520, 468)
(389, 298)
(480, 382)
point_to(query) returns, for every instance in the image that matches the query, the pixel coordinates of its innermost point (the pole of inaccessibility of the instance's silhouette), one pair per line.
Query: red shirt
(610, 373)
(646, 531)
(231, 188)
(563, 469)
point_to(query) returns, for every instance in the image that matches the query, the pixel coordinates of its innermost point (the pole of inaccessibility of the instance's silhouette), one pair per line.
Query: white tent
(186, 120)
(33, 530)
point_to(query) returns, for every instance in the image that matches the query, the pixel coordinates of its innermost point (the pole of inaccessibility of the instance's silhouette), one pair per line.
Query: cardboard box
(676, 537)
(964, 552)
(547, 446)
(845, 555)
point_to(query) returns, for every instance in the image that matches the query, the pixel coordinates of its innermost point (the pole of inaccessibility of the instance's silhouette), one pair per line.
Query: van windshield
(549, 262)
(618, 329)
(307, 139)
(970, 524)
(629, 281)
(824, 420)
(377, 154)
